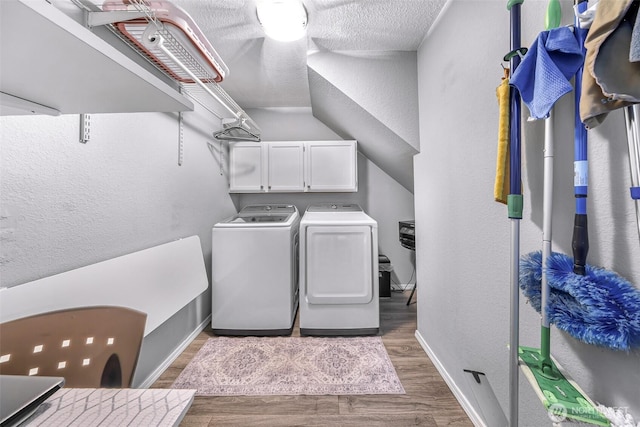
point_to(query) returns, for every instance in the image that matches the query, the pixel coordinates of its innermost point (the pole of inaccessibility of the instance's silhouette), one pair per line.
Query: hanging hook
(520, 52)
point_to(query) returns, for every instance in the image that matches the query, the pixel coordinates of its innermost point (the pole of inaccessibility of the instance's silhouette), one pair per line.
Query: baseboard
(174, 354)
(460, 397)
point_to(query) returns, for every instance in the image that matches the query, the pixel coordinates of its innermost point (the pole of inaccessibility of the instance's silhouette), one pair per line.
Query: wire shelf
(195, 77)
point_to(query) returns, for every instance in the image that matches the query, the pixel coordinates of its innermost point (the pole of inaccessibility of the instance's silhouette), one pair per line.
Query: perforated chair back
(92, 347)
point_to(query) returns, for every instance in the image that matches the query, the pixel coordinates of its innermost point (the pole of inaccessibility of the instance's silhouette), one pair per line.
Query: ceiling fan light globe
(282, 20)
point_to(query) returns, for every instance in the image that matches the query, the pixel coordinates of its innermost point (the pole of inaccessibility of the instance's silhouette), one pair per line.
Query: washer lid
(259, 218)
(269, 209)
(334, 207)
(262, 216)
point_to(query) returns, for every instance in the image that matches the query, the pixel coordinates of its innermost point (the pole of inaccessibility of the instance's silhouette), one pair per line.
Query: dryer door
(339, 262)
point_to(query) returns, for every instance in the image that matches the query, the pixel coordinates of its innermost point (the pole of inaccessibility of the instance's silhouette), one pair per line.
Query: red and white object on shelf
(182, 29)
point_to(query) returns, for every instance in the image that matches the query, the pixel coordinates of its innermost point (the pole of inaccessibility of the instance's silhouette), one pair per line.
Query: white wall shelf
(172, 54)
(53, 61)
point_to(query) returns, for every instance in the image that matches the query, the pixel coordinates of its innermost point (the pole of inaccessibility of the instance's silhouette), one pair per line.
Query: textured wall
(383, 83)
(66, 204)
(370, 97)
(463, 235)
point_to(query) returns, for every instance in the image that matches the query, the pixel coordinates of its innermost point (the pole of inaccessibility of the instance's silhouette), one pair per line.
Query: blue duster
(600, 308)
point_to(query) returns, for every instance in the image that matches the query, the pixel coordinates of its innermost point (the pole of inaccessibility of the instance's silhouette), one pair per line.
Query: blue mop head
(600, 308)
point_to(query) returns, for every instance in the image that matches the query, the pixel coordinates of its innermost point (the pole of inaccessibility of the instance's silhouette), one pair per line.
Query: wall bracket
(85, 128)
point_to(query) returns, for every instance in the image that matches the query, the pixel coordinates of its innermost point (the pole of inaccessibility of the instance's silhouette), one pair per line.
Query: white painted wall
(65, 204)
(463, 235)
(383, 83)
(371, 98)
(379, 195)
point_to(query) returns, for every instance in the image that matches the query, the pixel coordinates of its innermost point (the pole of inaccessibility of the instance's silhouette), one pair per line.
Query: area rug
(290, 366)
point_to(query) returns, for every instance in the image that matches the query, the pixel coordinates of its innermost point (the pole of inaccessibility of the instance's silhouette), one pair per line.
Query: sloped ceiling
(267, 73)
(376, 141)
(370, 98)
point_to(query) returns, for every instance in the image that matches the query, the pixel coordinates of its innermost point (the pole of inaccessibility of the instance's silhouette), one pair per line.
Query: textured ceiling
(266, 73)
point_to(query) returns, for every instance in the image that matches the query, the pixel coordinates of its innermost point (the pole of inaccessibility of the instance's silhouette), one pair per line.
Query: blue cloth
(546, 70)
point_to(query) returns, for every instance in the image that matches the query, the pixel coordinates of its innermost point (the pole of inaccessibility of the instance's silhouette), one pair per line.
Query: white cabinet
(293, 166)
(285, 166)
(331, 166)
(247, 167)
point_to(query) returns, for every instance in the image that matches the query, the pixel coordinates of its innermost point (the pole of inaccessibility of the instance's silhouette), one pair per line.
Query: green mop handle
(553, 16)
(551, 20)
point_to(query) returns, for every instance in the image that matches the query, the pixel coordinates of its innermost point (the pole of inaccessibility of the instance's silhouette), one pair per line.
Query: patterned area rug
(289, 366)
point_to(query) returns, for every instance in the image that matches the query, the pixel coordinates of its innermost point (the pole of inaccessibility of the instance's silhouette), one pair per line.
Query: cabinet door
(331, 166)
(247, 167)
(285, 169)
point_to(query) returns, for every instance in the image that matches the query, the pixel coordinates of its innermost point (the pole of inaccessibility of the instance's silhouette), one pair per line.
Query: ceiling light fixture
(282, 20)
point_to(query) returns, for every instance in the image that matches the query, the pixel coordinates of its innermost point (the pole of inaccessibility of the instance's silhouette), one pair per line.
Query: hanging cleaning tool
(545, 364)
(599, 308)
(580, 241)
(562, 397)
(609, 309)
(632, 119)
(590, 304)
(514, 208)
(545, 78)
(552, 20)
(501, 184)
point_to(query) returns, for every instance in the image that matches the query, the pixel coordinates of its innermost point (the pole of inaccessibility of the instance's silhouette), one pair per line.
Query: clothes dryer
(254, 271)
(338, 271)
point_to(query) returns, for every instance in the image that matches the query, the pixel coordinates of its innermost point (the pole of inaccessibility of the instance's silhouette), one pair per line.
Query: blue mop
(599, 308)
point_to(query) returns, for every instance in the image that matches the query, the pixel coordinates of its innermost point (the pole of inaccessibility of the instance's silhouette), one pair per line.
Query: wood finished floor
(427, 402)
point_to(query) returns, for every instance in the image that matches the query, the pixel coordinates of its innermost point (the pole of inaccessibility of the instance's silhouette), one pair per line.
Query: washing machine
(254, 271)
(338, 271)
